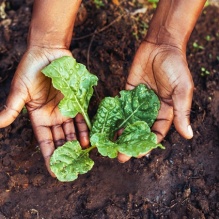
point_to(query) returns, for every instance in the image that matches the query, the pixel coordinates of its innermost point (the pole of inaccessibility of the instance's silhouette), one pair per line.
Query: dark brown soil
(178, 182)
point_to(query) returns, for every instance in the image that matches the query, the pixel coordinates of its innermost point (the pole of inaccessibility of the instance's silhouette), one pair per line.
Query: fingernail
(190, 130)
(84, 142)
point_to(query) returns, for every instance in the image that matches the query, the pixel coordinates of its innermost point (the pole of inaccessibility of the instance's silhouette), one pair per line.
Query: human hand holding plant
(49, 38)
(31, 87)
(160, 63)
(134, 110)
(164, 69)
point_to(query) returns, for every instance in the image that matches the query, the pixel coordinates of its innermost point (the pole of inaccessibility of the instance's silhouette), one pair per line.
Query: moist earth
(178, 182)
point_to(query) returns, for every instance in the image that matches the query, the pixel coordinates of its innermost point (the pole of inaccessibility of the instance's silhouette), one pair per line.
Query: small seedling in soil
(154, 3)
(208, 38)
(197, 46)
(134, 111)
(204, 72)
(98, 3)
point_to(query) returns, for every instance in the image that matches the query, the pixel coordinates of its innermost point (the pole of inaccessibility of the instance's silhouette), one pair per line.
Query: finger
(122, 158)
(44, 137)
(182, 100)
(14, 104)
(164, 120)
(58, 135)
(69, 130)
(82, 130)
(129, 85)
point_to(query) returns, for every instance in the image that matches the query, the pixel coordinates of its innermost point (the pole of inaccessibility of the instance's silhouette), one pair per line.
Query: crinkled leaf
(139, 104)
(104, 145)
(135, 110)
(70, 160)
(137, 139)
(76, 84)
(108, 113)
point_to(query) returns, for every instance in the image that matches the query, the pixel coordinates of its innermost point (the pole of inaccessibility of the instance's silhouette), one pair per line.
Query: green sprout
(197, 46)
(207, 3)
(154, 3)
(98, 3)
(208, 37)
(204, 72)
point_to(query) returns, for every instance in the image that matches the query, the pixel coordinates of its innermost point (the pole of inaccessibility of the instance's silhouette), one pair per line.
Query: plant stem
(90, 148)
(87, 120)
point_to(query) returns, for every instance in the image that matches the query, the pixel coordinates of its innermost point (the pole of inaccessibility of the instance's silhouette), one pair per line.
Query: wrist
(49, 38)
(52, 23)
(167, 36)
(174, 21)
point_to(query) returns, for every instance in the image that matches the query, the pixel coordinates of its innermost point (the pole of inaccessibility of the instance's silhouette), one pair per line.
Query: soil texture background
(178, 182)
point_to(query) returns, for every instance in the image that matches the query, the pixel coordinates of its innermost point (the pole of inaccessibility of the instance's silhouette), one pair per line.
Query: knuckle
(80, 121)
(46, 142)
(68, 121)
(71, 136)
(59, 142)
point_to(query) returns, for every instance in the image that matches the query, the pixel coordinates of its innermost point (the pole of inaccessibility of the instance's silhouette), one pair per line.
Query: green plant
(197, 46)
(204, 72)
(140, 29)
(134, 111)
(208, 38)
(154, 3)
(98, 3)
(207, 3)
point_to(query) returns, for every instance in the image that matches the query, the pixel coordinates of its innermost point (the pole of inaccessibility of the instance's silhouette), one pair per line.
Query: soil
(178, 182)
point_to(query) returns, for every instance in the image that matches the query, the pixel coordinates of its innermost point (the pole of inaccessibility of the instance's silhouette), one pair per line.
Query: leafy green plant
(134, 111)
(75, 83)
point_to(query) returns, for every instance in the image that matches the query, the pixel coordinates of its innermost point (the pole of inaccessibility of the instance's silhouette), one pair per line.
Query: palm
(164, 69)
(43, 102)
(31, 87)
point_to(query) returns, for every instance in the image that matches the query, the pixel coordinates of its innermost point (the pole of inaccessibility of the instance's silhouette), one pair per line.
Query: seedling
(208, 37)
(98, 3)
(134, 111)
(197, 46)
(204, 72)
(154, 3)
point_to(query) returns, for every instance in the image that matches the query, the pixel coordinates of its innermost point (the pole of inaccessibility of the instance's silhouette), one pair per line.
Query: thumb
(129, 86)
(14, 104)
(182, 100)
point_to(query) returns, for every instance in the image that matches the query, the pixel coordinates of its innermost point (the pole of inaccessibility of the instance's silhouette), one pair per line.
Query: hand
(164, 69)
(29, 86)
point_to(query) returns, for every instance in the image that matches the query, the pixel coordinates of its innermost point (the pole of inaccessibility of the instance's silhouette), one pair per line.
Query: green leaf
(108, 114)
(76, 84)
(139, 104)
(70, 160)
(104, 145)
(137, 139)
(135, 110)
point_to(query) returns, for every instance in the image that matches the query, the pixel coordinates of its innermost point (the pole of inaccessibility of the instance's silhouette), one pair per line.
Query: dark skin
(160, 63)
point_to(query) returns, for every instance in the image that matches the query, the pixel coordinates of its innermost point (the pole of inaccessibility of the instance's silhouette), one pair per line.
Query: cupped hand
(164, 69)
(31, 88)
